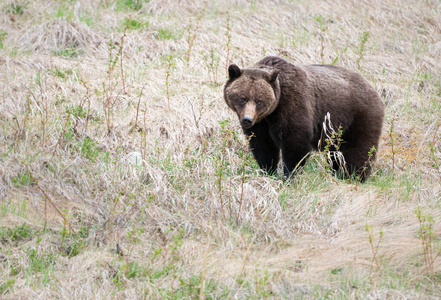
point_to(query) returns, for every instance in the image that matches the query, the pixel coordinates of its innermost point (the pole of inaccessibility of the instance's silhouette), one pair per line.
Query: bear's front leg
(296, 147)
(264, 149)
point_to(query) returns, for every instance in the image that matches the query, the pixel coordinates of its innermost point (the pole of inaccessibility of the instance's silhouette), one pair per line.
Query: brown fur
(284, 107)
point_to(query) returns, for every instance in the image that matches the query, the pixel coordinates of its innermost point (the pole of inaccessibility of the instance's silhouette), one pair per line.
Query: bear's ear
(273, 76)
(234, 71)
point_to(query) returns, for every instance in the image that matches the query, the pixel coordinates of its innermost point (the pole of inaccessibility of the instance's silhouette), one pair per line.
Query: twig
(139, 102)
(192, 38)
(49, 199)
(120, 53)
(392, 141)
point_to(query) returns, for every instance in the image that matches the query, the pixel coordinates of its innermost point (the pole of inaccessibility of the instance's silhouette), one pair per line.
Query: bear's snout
(247, 122)
(248, 115)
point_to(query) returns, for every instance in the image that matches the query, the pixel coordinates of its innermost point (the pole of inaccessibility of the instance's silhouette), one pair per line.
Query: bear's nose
(247, 121)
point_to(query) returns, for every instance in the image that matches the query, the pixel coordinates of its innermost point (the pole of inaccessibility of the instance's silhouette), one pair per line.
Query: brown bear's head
(252, 93)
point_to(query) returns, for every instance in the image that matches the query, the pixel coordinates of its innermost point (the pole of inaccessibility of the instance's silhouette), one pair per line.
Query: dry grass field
(123, 174)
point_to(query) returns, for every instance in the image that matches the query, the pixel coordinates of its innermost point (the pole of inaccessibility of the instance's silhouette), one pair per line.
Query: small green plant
(333, 141)
(61, 73)
(7, 286)
(392, 137)
(164, 34)
(3, 35)
(67, 52)
(367, 164)
(261, 283)
(16, 234)
(170, 63)
(64, 12)
(362, 48)
(132, 270)
(72, 244)
(192, 32)
(425, 233)
(212, 59)
(434, 151)
(77, 111)
(196, 287)
(133, 24)
(16, 7)
(134, 234)
(221, 163)
(109, 99)
(374, 246)
(127, 5)
(22, 179)
(40, 263)
(89, 149)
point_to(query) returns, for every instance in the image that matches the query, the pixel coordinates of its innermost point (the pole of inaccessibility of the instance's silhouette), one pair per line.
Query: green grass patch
(77, 111)
(17, 234)
(134, 24)
(22, 179)
(130, 5)
(164, 34)
(16, 7)
(7, 286)
(3, 35)
(68, 52)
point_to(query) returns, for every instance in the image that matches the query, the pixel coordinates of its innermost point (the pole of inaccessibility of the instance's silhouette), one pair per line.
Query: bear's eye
(242, 101)
(259, 103)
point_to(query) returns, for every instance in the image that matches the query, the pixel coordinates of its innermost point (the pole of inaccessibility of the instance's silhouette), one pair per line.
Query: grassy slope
(196, 218)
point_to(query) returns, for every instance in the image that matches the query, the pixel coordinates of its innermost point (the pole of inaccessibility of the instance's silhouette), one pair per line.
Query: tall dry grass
(150, 169)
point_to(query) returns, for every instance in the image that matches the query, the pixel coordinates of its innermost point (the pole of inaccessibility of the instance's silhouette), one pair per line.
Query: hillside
(123, 174)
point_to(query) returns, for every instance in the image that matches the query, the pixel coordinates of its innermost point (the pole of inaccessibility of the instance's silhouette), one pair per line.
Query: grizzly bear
(282, 107)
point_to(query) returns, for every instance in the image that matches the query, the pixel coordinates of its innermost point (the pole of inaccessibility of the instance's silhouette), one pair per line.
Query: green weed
(89, 149)
(426, 235)
(411, 182)
(7, 286)
(17, 7)
(133, 24)
(197, 287)
(164, 34)
(374, 246)
(10, 207)
(392, 137)
(212, 60)
(17, 234)
(362, 48)
(40, 263)
(170, 63)
(73, 244)
(331, 148)
(77, 111)
(132, 270)
(434, 150)
(127, 5)
(192, 32)
(367, 164)
(63, 74)
(3, 35)
(67, 52)
(63, 12)
(22, 179)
